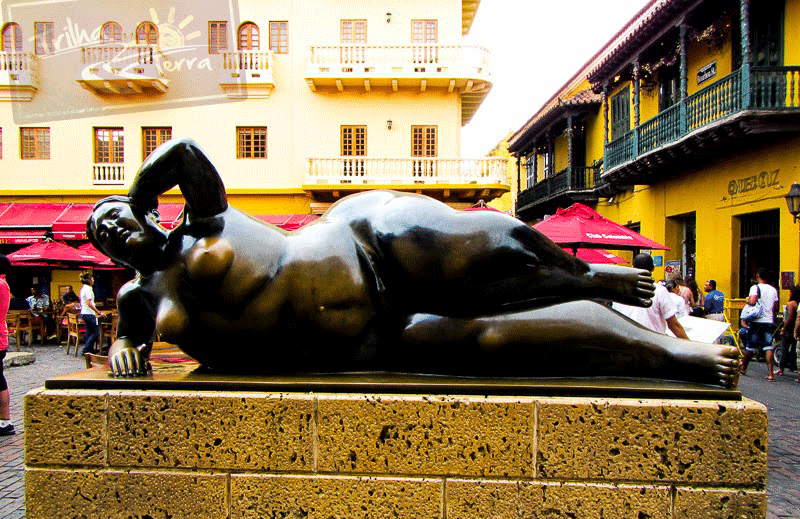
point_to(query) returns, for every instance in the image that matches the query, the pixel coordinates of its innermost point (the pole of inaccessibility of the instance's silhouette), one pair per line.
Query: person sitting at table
(70, 296)
(383, 281)
(39, 304)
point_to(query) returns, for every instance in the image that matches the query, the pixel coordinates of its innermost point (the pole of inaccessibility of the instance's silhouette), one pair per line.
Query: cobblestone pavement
(782, 398)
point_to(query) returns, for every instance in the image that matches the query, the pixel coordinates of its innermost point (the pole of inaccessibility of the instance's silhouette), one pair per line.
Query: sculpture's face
(126, 235)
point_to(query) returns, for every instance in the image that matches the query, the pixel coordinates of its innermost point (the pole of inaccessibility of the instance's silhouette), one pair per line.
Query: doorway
(759, 246)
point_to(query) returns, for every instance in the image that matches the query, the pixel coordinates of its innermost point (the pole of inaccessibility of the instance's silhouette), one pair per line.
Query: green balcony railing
(566, 180)
(770, 88)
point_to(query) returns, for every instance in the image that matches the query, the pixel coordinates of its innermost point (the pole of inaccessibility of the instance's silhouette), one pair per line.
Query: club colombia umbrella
(587, 255)
(49, 253)
(579, 226)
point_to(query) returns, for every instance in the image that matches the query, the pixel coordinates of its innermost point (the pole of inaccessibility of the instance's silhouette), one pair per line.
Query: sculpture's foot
(715, 364)
(622, 284)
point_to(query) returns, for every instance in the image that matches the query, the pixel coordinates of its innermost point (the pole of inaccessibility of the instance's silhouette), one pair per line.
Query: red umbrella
(580, 226)
(100, 259)
(599, 256)
(47, 253)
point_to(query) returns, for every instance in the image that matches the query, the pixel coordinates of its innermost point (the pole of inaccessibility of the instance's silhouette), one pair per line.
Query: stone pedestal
(119, 453)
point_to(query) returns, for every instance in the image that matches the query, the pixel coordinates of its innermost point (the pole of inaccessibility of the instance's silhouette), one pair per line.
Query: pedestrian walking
(6, 427)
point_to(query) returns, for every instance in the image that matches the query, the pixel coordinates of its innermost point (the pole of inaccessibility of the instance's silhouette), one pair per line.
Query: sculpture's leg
(578, 338)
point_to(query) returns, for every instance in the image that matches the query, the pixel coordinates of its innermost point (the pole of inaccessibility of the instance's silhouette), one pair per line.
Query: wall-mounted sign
(672, 268)
(658, 261)
(763, 180)
(707, 72)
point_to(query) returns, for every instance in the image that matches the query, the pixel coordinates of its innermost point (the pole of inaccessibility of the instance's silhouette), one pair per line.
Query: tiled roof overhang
(468, 10)
(651, 20)
(521, 141)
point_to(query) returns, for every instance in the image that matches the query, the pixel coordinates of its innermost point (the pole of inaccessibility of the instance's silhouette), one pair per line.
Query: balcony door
(111, 33)
(668, 87)
(248, 38)
(353, 37)
(424, 37)
(424, 143)
(12, 38)
(354, 148)
(147, 33)
(766, 23)
(621, 113)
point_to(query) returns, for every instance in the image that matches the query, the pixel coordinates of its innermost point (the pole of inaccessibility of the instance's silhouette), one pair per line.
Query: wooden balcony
(746, 103)
(445, 179)
(451, 68)
(564, 188)
(122, 69)
(108, 174)
(19, 78)
(247, 74)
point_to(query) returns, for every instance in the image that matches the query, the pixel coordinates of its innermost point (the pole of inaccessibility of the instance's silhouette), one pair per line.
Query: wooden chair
(19, 321)
(93, 360)
(75, 330)
(108, 330)
(62, 323)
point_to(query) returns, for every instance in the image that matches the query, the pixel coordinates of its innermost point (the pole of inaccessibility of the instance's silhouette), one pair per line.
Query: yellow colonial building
(685, 127)
(296, 102)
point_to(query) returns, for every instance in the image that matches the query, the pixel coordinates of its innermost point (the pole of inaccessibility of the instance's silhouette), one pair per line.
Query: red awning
(30, 216)
(71, 225)
(287, 222)
(171, 215)
(102, 262)
(21, 237)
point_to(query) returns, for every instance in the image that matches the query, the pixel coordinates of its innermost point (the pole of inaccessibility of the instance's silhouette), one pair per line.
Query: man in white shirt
(759, 334)
(661, 314)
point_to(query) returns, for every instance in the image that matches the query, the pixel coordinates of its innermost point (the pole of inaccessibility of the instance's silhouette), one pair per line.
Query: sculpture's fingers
(126, 363)
(116, 369)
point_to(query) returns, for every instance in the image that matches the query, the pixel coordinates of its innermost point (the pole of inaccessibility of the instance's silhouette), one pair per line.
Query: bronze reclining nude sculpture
(384, 281)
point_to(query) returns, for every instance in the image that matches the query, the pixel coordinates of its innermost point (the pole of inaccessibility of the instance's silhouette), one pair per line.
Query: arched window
(12, 37)
(111, 33)
(248, 36)
(147, 32)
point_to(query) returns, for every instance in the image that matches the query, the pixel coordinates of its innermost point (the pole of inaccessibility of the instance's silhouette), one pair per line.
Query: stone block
(106, 494)
(652, 441)
(323, 497)
(692, 503)
(419, 435)
(525, 499)
(240, 431)
(65, 427)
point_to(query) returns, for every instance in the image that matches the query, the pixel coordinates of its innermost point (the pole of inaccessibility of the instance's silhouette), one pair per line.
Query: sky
(536, 46)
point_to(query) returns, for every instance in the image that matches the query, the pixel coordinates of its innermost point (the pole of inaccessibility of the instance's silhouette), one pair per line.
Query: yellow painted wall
(561, 152)
(706, 192)
(791, 46)
(506, 202)
(595, 125)
(60, 277)
(700, 54)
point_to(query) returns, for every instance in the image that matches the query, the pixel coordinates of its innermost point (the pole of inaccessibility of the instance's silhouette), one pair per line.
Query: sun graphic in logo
(171, 36)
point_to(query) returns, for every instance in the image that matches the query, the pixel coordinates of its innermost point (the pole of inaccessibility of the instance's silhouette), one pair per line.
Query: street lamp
(793, 200)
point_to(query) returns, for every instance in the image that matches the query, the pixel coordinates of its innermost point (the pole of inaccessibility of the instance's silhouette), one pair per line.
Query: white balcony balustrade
(247, 73)
(460, 68)
(19, 78)
(108, 174)
(121, 68)
(407, 171)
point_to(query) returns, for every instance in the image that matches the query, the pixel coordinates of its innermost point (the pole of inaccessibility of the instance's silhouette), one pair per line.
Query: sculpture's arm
(180, 162)
(134, 331)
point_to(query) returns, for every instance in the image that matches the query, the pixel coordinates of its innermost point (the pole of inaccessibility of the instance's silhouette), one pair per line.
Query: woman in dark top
(383, 281)
(788, 342)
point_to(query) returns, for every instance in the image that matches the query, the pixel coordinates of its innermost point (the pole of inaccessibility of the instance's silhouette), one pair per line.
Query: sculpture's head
(127, 232)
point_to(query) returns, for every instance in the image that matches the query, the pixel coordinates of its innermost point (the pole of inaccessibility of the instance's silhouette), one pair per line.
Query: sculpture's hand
(126, 361)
